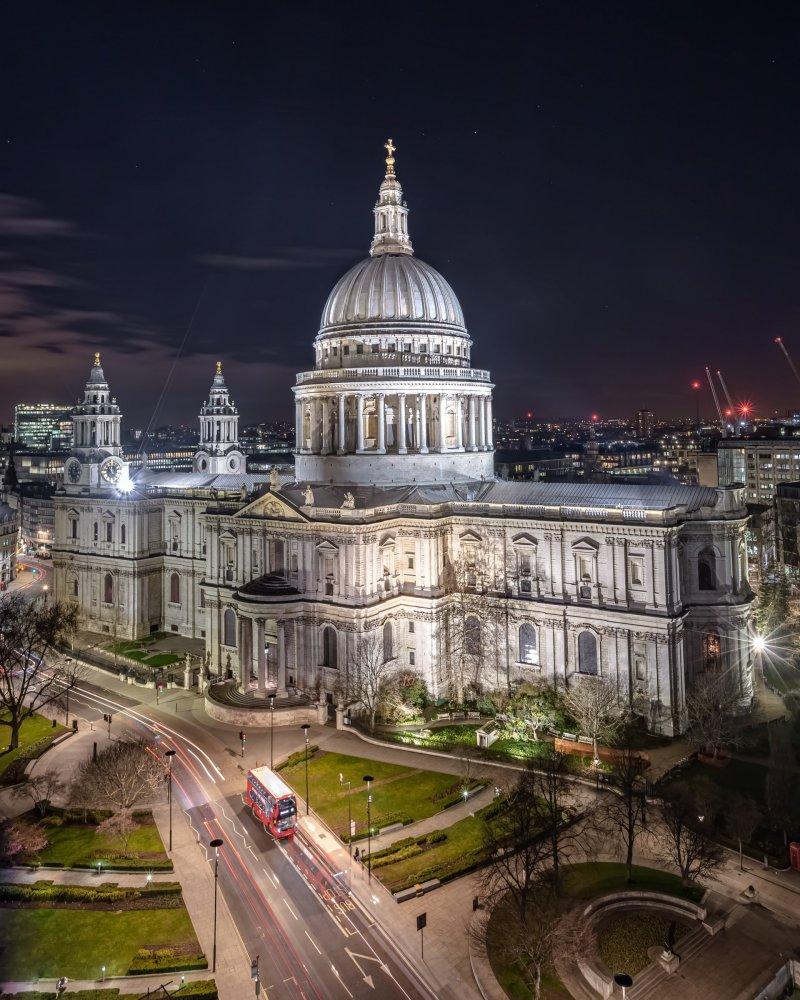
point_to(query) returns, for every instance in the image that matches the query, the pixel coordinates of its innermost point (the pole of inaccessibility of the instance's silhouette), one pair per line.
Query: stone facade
(394, 521)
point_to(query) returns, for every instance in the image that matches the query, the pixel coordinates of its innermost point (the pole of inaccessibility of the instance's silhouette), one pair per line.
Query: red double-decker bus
(272, 801)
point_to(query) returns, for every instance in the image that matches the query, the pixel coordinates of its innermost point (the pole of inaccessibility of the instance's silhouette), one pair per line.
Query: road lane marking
(313, 942)
(289, 907)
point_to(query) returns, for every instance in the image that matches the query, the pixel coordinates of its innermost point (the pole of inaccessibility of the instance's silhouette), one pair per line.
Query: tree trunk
(13, 742)
(741, 861)
(629, 858)
(537, 982)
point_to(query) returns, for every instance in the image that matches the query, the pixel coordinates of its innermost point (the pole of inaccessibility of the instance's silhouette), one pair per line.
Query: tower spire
(391, 212)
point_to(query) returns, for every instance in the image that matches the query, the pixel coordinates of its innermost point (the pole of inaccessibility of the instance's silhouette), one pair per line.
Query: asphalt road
(312, 939)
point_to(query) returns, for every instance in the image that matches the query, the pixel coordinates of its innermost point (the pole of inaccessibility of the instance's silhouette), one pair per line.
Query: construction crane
(780, 343)
(716, 402)
(731, 407)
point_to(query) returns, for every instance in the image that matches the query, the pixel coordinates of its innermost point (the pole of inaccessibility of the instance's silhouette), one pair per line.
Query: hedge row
(408, 847)
(198, 989)
(107, 892)
(299, 757)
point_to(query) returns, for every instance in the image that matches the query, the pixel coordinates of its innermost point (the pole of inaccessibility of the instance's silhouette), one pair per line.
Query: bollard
(94, 750)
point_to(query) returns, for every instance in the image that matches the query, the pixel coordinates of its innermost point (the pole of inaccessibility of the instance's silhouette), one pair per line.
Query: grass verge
(399, 794)
(74, 844)
(35, 736)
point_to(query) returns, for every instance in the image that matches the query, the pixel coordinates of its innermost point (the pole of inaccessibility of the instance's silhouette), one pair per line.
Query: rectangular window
(407, 347)
(411, 628)
(376, 348)
(73, 528)
(584, 568)
(410, 562)
(392, 348)
(636, 572)
(359, 348)
(641, 668)
(423, 349)
(346, 349)
(109, 531)
(334, 350)
(412, 658)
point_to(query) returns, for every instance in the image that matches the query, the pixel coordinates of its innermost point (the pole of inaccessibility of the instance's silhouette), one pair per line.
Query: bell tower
(219, 431)
(96, 430)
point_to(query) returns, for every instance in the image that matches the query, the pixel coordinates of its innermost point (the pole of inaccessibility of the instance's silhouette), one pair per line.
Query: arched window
(108, 588)
(707, 570)
(587, 653)
(175, 589)
(229, 627)
(472, 636)
(528, 645)
(388, 642)
(122, 534)
(330, 647)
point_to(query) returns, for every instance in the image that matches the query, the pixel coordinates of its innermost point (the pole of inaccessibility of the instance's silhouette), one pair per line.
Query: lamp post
(349, 816)
(216, 844)
(305, 727)
(169, 754)
(369, 779)
(67, 661)
(271, 731)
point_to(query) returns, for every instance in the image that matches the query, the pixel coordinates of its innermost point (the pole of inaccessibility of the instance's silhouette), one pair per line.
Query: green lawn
(399, 794)
(624, 938)
(597, 878)
(36, 735)
(75, 845)
(76, 943)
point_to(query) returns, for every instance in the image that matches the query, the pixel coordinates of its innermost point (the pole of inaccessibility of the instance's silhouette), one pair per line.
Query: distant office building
(43, 426)
(8, 544)
(36, 514)
(759, 464)
(644, 422)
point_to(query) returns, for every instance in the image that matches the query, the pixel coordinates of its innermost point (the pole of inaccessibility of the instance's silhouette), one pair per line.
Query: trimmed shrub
(203, 989)
(299, 757)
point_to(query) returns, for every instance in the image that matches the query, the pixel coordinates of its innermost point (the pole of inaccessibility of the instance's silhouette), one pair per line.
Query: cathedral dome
(392, 289)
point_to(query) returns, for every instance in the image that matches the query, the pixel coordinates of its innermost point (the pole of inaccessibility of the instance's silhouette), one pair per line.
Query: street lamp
(305, 727)
(271, 731)
(67, 661)
(369, 779)
(349, 815)
(216, 844)
(169, 754)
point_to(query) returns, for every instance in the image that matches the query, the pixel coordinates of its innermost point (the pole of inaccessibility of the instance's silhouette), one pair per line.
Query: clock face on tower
(111, 470)
(72, 470)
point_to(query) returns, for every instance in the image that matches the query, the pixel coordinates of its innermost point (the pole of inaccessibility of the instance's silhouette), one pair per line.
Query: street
(310, 936)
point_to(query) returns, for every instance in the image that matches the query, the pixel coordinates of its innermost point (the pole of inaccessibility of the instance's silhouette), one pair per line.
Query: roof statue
(97, 359)
(308, 496)
(390, 147)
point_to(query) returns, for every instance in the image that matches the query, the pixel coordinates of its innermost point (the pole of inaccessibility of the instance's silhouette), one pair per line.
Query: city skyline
(206, 189)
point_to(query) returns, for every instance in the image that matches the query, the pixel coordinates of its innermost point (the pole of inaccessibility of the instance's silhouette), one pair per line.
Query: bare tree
(369, 675)
(474, 621)
(81, 794)
(120, 826)
(517, 846)
(625, 809)
(41, 788)
(553, 788)
(593, 704)
(124, 775)
(692, 852)
(29, 635)
(742, 816)
(712, 705)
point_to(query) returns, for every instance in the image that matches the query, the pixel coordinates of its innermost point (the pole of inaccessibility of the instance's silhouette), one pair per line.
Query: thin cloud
(283, 259)
(23, 217)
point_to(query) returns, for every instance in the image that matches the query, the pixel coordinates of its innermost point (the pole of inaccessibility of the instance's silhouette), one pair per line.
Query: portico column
(489, 431)
(381, 423)
(325, 449)
(360, 423)
(281, 663)
(423, 423)
(459, 422)
(342, 424)
(442, 439)
(472, 445)
(261, 659)
(401, 438)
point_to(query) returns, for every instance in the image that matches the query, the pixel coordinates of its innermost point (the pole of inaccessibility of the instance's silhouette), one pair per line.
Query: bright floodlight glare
(125, 486)
(759, 643)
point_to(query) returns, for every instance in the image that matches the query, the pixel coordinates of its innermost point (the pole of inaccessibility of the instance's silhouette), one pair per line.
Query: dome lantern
(391, 213)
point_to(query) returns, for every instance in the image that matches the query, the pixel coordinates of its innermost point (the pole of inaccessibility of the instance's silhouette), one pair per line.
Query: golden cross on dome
(219, 368)
(97, 359)
(390, 148)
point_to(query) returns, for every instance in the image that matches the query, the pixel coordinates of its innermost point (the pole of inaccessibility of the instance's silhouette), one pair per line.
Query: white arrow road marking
(354, 957)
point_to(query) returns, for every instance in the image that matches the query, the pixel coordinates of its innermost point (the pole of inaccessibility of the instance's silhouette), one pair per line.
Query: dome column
(360, 422)
(342, 424)
(401, 439)
(381, 399)
(298, 425)
(423, 423)
(481, 424)
(442, 415)
(489, 429)
(326, 420)
(472, 445)
(460, 423)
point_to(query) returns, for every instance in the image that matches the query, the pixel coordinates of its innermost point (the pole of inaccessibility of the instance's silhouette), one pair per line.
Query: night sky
(611, 189)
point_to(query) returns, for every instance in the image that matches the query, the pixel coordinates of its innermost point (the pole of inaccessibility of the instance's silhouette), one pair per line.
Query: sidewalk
(439, 821)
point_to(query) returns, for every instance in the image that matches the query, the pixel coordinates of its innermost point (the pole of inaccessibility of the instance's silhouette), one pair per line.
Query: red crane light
(696, 384)
(595, 418)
